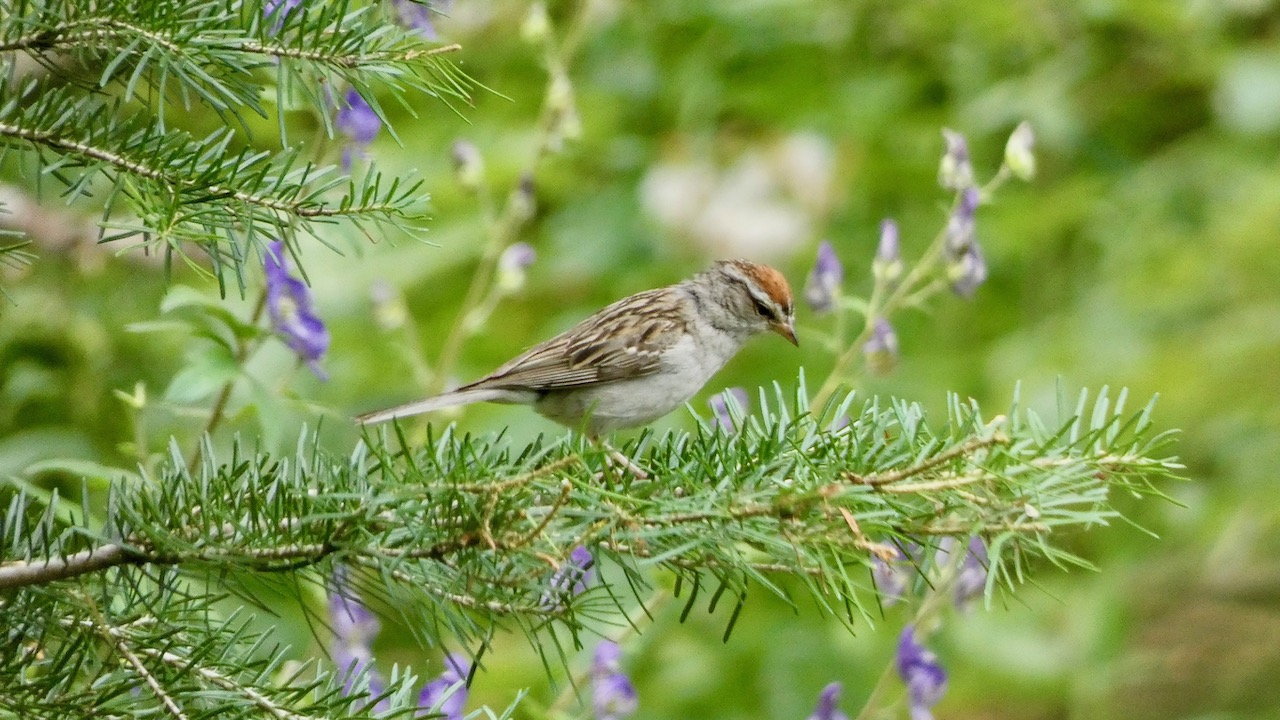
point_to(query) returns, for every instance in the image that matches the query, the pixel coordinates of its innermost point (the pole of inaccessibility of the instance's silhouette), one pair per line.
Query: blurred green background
(1143, 255)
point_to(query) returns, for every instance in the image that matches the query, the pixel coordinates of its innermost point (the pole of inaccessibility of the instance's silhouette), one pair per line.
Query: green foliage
(137, 643)
(462, 535)
(1142, 256)
(218, 192)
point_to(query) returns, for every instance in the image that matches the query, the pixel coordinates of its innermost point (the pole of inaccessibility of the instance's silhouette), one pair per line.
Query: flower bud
(892, 577)
(356, 120)
(613, 697)
(920, 670)
(966, 266)
(570, 579)
(468, 165)
(967, 271)
(881, 349)
(560, 93)
(971, 577)
(415, 16)
(567, 124)
(955, 172)
(536, 25)
(826, 709)
(1018, 155)
(522, 202)
(887, 267)
(512, 265)
(961, 227)
(447, 694)
(570, 126)
(721, 411)
(289, 307)
(389, 310)
(822, 289)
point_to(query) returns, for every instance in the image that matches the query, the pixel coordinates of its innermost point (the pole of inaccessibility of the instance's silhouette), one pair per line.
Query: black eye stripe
(765, 309)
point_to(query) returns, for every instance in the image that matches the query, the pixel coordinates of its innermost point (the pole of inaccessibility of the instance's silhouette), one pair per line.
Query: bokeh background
(1144, 255)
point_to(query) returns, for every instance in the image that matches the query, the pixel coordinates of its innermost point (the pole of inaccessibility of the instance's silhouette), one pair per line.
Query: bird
(637, 359)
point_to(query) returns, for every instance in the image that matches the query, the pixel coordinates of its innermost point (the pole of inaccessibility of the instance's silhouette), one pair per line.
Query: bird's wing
(624, 340)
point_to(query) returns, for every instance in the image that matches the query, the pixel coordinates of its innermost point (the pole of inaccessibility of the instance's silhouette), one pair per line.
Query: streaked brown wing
(624, 340)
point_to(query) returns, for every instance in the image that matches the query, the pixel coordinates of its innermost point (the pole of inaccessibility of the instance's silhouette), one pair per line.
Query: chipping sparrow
(637, 359)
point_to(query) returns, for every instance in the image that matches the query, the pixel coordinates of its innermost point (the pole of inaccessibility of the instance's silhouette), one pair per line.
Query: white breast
(686, 368)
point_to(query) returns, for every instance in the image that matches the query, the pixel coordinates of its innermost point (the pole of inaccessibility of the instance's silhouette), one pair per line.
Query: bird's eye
(763, 309)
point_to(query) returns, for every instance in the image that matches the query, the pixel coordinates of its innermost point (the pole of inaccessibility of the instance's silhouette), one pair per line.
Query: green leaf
(207, 371)
(96, 475)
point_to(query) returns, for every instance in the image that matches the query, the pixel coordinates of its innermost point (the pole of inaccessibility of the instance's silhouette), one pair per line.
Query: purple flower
(925, 679)
(966, 267)
(292, 318)
(417, 15)
(892, 577)
(447, 694)
(720, 408)
(955, 172)
(961, 228)
(512, 265)
(971, 578)
(279, 10)
(826, 709)
(822, 289)
(570, 579)
(612, 695)
(887, 267)
(968, 272)
(354, 629)
(881, 349)
(357, 120)
(517, 257)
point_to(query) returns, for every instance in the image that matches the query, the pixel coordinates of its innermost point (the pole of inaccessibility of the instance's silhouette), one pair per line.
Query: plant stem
(219, 410)
(503, 227)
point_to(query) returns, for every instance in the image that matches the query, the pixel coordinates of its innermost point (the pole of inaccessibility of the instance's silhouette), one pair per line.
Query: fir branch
(969, 448)
(188, 190)
(196, 661)
(118, 642)
(219, 680)
(462, 537)
(122, 161)
(211, 49)
(75, 34)
(784, 502)
(347, 61)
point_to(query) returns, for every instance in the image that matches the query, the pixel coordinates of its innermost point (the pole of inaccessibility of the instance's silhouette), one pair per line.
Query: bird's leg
(616, 457)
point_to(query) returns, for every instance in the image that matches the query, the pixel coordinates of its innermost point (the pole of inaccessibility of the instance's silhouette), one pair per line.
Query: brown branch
(52, 140)
(106, 28)
(22, 573)
(947, 483)
(347, 61)
(880, 479)
(216, 678)
(467, 601)
(566, 488)
(518, 480)
(958, 529)
(101, 28)
(118, 641)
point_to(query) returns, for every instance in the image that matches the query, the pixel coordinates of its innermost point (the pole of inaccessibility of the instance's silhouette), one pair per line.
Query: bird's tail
(438, 402)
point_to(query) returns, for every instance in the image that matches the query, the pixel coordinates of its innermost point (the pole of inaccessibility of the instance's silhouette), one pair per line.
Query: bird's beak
(787, 330)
